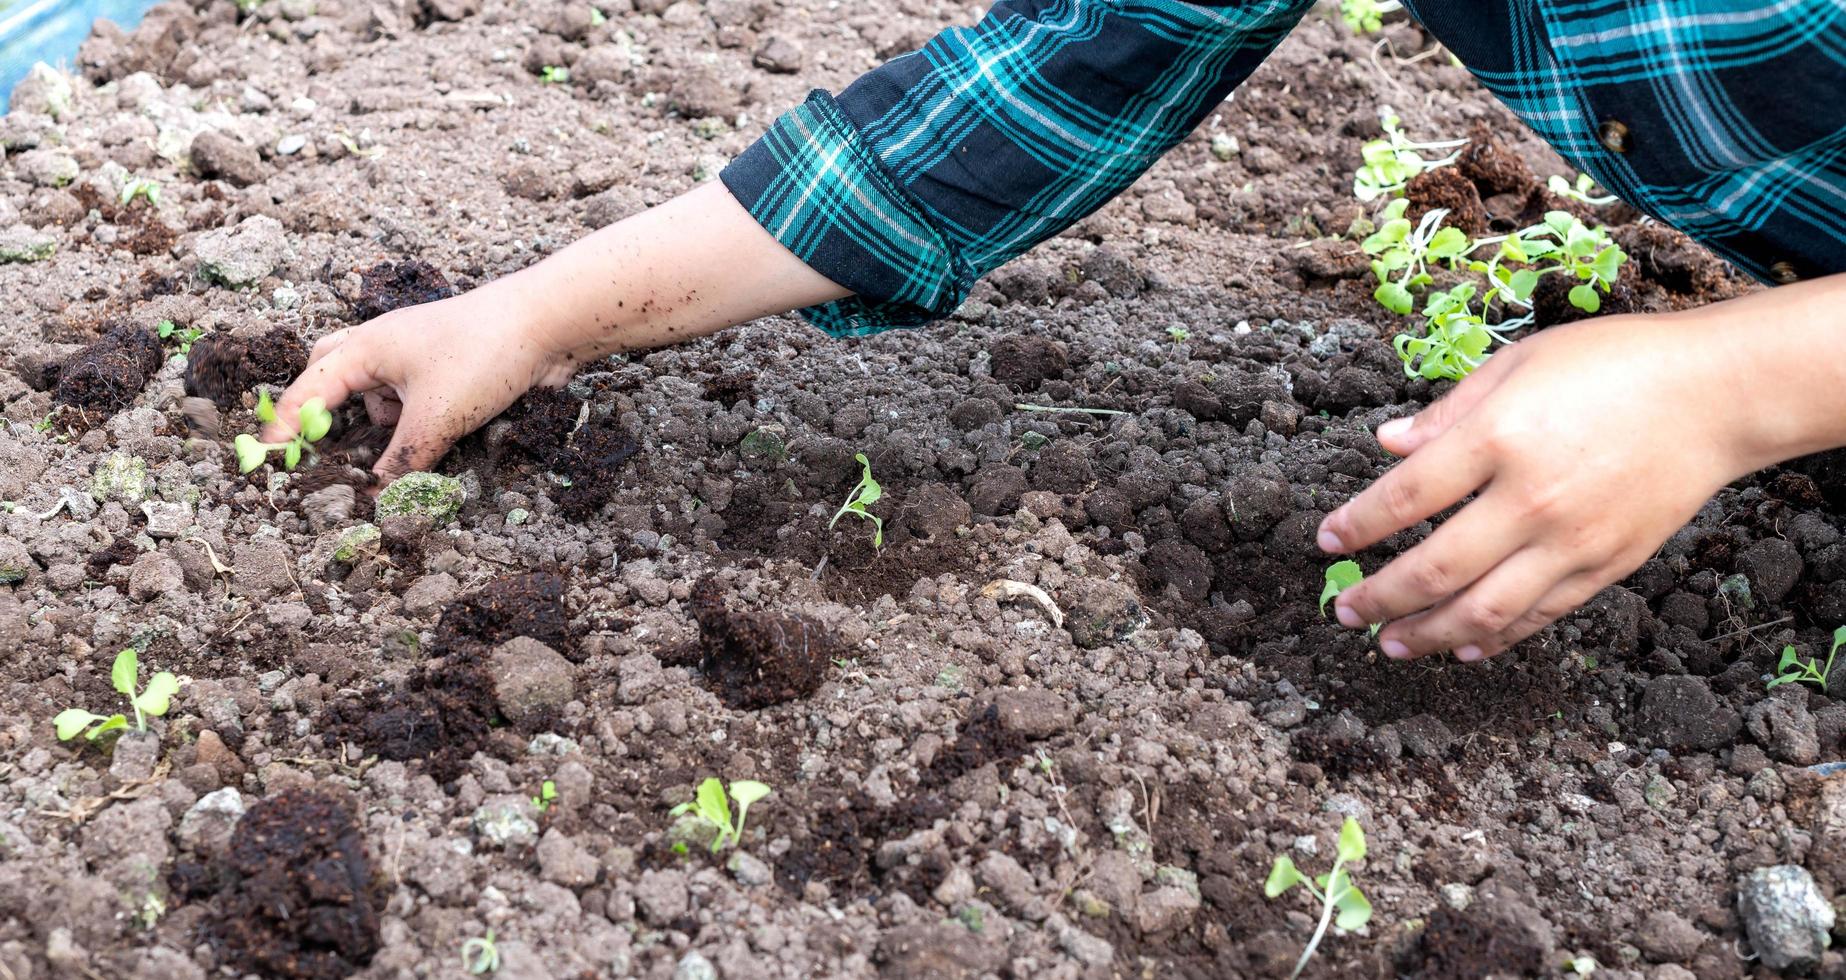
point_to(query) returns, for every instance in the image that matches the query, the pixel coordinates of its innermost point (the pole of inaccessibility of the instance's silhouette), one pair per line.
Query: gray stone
(155, 575)
(1784, 726)
(1785, 916)
(167, 519)
(135, 755)
(1033, 713)
(427, 595)
(221, 156)
(262, 568)
(1666, 937)
(778, 56)
(47, 168)
(242, 256)
(1098, 612)
(121, 477)
(207, 825)
(327, 507)
(1165, 909)
(23, 244)
(506, 822)
(661, 896)
(694, 966)
(749, 869)
(16, 564)
(563, 861)
(431, 495)
(1680, 712)
(44, 90)
(531, 681)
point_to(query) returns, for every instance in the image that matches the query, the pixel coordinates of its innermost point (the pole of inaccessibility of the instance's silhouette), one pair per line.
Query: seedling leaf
(1283, 876)
(1352, 841)
(1355, 910)
(291, 455)
(159, 694)
(72, 721)
(315, 419)
(250, 452)
(125, 672)
(265, 408)
(1341, 575)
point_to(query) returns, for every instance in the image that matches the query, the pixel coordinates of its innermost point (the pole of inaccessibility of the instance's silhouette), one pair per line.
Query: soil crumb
(391, 286)
(441, 714)
(108, 374)
(222, 367)
(300, 903)
(531, 605)
(757, 659)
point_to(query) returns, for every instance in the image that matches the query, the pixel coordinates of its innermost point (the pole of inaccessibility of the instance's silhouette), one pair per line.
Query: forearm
(682, 270)
(1783, 390)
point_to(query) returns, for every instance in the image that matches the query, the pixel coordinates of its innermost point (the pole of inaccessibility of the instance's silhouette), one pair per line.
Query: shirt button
(1613, 136)
(1783, 273)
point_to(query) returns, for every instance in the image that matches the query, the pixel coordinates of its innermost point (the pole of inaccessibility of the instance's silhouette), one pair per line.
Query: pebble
(427, 595)
(167, 519)
(207, 825)
(505, 822)
(531, 680)
(134, 756)
(291, 144)
(243, 255)
(749, 869)
(1785, 916)
(155, 575)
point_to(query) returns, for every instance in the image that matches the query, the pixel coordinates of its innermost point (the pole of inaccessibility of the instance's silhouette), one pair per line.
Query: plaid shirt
(1723, 118)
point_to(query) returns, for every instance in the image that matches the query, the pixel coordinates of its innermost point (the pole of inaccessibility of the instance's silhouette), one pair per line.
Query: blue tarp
(50, 31)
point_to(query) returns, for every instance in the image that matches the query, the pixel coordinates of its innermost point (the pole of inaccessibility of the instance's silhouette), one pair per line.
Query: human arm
(1586, 446)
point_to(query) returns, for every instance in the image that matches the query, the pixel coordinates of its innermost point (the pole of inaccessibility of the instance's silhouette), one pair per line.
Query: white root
(1006, 588)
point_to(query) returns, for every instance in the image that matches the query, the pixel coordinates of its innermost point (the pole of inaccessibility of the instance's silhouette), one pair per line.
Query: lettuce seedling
(315, 421)
(711, 806)
(555, 75)
(547, 795)
(1342, 575)
(1398, 247)
(124, 675)
(1391, 162)
(1455, 337)
(1792, 669)
(1581, 192)
(1334, 890)
(1366, 16)
(862, 496)
(480, 955)
(185, 336)
(141, 187)
(1573, 248)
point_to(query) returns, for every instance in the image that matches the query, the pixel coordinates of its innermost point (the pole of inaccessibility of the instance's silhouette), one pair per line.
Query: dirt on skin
(971, 789)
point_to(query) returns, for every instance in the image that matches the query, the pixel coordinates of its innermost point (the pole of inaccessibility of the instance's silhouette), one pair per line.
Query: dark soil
(301, 902)
(391, 286)
(223, 367)
(758, 659)
(108, 374)
(1447, 187)
(530, 604)
(442, 714)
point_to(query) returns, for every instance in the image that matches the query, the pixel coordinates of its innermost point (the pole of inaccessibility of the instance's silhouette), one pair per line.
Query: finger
(326, 345)
(425, 431)
(339, 374)
(1401, 437)
(1443, 473)
(1566, 598)
(382, 407)
(1466, 547)
(1481, 612)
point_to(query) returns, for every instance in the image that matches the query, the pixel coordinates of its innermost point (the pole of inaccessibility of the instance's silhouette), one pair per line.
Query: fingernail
(1468, 654)
(1349, 619)
(1395, 649)
(1329, 541)
(1394, 428)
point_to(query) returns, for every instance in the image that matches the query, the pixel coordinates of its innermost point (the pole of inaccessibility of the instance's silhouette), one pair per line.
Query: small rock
(532, 682)
(1773, 565)
(207, 826)
(329, 506)
(661, 896)
(429, 594)
(563, 861)
(120, 476)
(431, 495)
(242, 256)
(779, 56)
(1785, 727)
(749, 869)
(1680, 712)
(262, 568)
(506, 822)
(1667, 938)
(155, 575)
(44, 90)
(694, 966)
(291, 144)
(1165, 909)
(1098, 612)
(47, 168)
(1785, 916)
(167, 519)
(16, 564)
(1033, 713)
(357, 542)
(21, 243)
(134, 756)
(219, 156)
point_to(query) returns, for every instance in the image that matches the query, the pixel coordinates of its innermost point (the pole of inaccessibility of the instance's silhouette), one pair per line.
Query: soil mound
(108, 374)
(757, 659)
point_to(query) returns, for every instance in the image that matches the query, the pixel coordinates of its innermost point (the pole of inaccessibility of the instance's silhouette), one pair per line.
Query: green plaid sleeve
(936, 168)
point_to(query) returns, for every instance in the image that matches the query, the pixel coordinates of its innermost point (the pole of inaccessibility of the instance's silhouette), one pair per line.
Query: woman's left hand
(1588, 445)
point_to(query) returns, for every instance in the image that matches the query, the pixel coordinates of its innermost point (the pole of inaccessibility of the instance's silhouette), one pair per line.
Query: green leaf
(265, 409)
(748, 791)
(1779, 681)
(315, 419)
(1355, 908)
(165, 329)
(110, 724)
(72, 721)
(1448, 243)
(291, 455)
(159, 694)
(1352, 841)
(712, 803)
(1789, 656)
(125, 672)
(1394, 297)
(250, 452)
(869, 490)
(1523, 283)
(1584, 298)
(1283, 876)
(1341, 575)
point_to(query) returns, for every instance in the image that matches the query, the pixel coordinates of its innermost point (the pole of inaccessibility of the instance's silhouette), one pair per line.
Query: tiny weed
(547, 796)
(124, 676)
(1334, 890)
(480, 955)
(712, 806)
(184, 337)
(862, 496)
(1179, 334)
(554, 75)
(1366, 16)
(1792, 669)
(143, 188)
(315, 421)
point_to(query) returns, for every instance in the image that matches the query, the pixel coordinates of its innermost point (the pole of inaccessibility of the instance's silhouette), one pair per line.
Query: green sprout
(1391, 162)
(124, 675)
(862, 496)
(315, 421)
(1340, 576)
(597, 17)
(1455, 340)
(1580, 192)
(1406, 251)
(711, 806)
(480, 955)
(141, 187)
(1179, 334)
(1792, 669)
(554, 75)
(547, 795)
(1333, 890)
(186, 336)
(1366, 16)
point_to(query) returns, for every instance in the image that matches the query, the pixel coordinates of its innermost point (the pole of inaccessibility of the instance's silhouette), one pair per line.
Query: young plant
(1573, 248)
(315, 421)
(1455, 338)
(1792, 669)
(554, 75)
(862, 496)
(480, 955)
(1580, 192)
(1366, 16)
(1340, 576)
(1334, 890)
(184, 336)
(547, 795)
(1391, 162)
(1179, 334)
(1405, 251)
(141, 187)
(124, 675)
(712, 806)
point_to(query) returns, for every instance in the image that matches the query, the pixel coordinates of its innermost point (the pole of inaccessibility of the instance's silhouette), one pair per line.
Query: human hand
(1588, 444)
(436, 372)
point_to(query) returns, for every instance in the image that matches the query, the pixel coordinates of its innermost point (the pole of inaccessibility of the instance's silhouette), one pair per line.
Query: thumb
(1404, 436)
(333, 378)
(424, 432)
